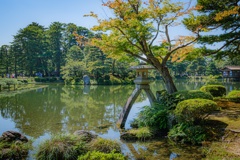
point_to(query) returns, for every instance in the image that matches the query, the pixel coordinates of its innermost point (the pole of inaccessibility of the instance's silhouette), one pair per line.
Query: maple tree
(140, 29)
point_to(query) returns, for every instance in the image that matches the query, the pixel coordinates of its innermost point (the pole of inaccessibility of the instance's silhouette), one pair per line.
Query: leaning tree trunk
(168, 81)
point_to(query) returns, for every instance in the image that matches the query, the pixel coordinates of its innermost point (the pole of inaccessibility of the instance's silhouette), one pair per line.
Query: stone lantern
(142, 82)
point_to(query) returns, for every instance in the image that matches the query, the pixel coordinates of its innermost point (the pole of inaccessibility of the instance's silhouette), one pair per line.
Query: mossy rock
(192, 110)
(234, 96)
(214, 90)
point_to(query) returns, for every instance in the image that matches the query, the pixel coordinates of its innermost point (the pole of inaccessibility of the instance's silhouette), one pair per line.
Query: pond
(56, 109)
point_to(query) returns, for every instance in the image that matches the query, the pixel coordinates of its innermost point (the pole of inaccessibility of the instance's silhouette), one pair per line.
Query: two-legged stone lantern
(142, 83)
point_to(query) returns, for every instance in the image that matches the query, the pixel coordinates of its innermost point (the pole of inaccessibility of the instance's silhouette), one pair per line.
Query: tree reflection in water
(65, 109)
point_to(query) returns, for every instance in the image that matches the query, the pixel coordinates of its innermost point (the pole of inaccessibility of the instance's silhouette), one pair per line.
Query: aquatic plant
(142, 133)
(66, 147)
(96, 155)
(104, 145)
(14, 150)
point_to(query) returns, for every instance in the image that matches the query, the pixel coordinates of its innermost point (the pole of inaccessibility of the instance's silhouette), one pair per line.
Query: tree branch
(225, 45)
(177, 48)
(136, 55)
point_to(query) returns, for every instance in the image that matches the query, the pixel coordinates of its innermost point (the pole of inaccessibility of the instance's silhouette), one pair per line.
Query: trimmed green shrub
(61, 147)
(171, 100)
(192, 94)
(96, 155)
(214, 90)
(234, 96)
(104, 145)
(186, 133)
(192, 110)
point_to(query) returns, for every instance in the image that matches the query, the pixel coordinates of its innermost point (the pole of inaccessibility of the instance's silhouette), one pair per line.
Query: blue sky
(17, 14)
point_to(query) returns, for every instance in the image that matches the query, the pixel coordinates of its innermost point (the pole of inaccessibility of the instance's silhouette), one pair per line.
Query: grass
(104, 145)
(14, 150)
(65, 147)
(141, 133)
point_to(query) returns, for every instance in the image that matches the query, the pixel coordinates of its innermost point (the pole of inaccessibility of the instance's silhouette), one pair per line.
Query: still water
(56, 109)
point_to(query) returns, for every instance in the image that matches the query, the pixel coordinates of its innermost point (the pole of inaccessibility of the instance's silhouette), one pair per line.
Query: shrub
(214, 90)
(192, 94)
(115, 80)
(234, 96)
(9, 81)
(107, 82)
(155, 116)
(107, 77)
(186, 133)
(61, 147)
(104, 145)
(194, 109)
(38, 79)
(171, 100)
(96, 155)
(100, 80)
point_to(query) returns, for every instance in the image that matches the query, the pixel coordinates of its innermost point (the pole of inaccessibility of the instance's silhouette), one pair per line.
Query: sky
(18, 14)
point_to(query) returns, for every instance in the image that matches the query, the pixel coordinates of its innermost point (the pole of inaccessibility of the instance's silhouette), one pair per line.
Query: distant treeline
(54, 51)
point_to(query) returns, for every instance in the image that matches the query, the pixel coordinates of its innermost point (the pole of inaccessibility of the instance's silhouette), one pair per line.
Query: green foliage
(104, 145)
(61, 147)
(115, 80)
(193, 110)
(141, 133)
(186, 133)
(214, 90)
(96, 155)
(14, 150)
(155, 116)
(171, 100)
(213, 16)
(9, 81)
(234, 96)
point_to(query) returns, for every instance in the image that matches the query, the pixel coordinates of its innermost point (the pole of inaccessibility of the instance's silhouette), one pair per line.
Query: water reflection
(65, 109)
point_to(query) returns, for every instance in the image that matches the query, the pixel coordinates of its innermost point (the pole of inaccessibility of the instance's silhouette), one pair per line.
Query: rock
(85, 135)
(11, 136)
(86, 80)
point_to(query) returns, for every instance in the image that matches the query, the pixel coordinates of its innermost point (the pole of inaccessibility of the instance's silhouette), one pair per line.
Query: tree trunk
(168, 81)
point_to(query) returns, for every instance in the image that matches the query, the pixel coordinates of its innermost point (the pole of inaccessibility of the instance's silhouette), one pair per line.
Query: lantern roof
(142, 66)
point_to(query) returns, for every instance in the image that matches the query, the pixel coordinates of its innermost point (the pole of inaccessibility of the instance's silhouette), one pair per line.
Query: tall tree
(5, 60)
(31, 39)
(55, 37)
(221, 17)
(140, 29)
